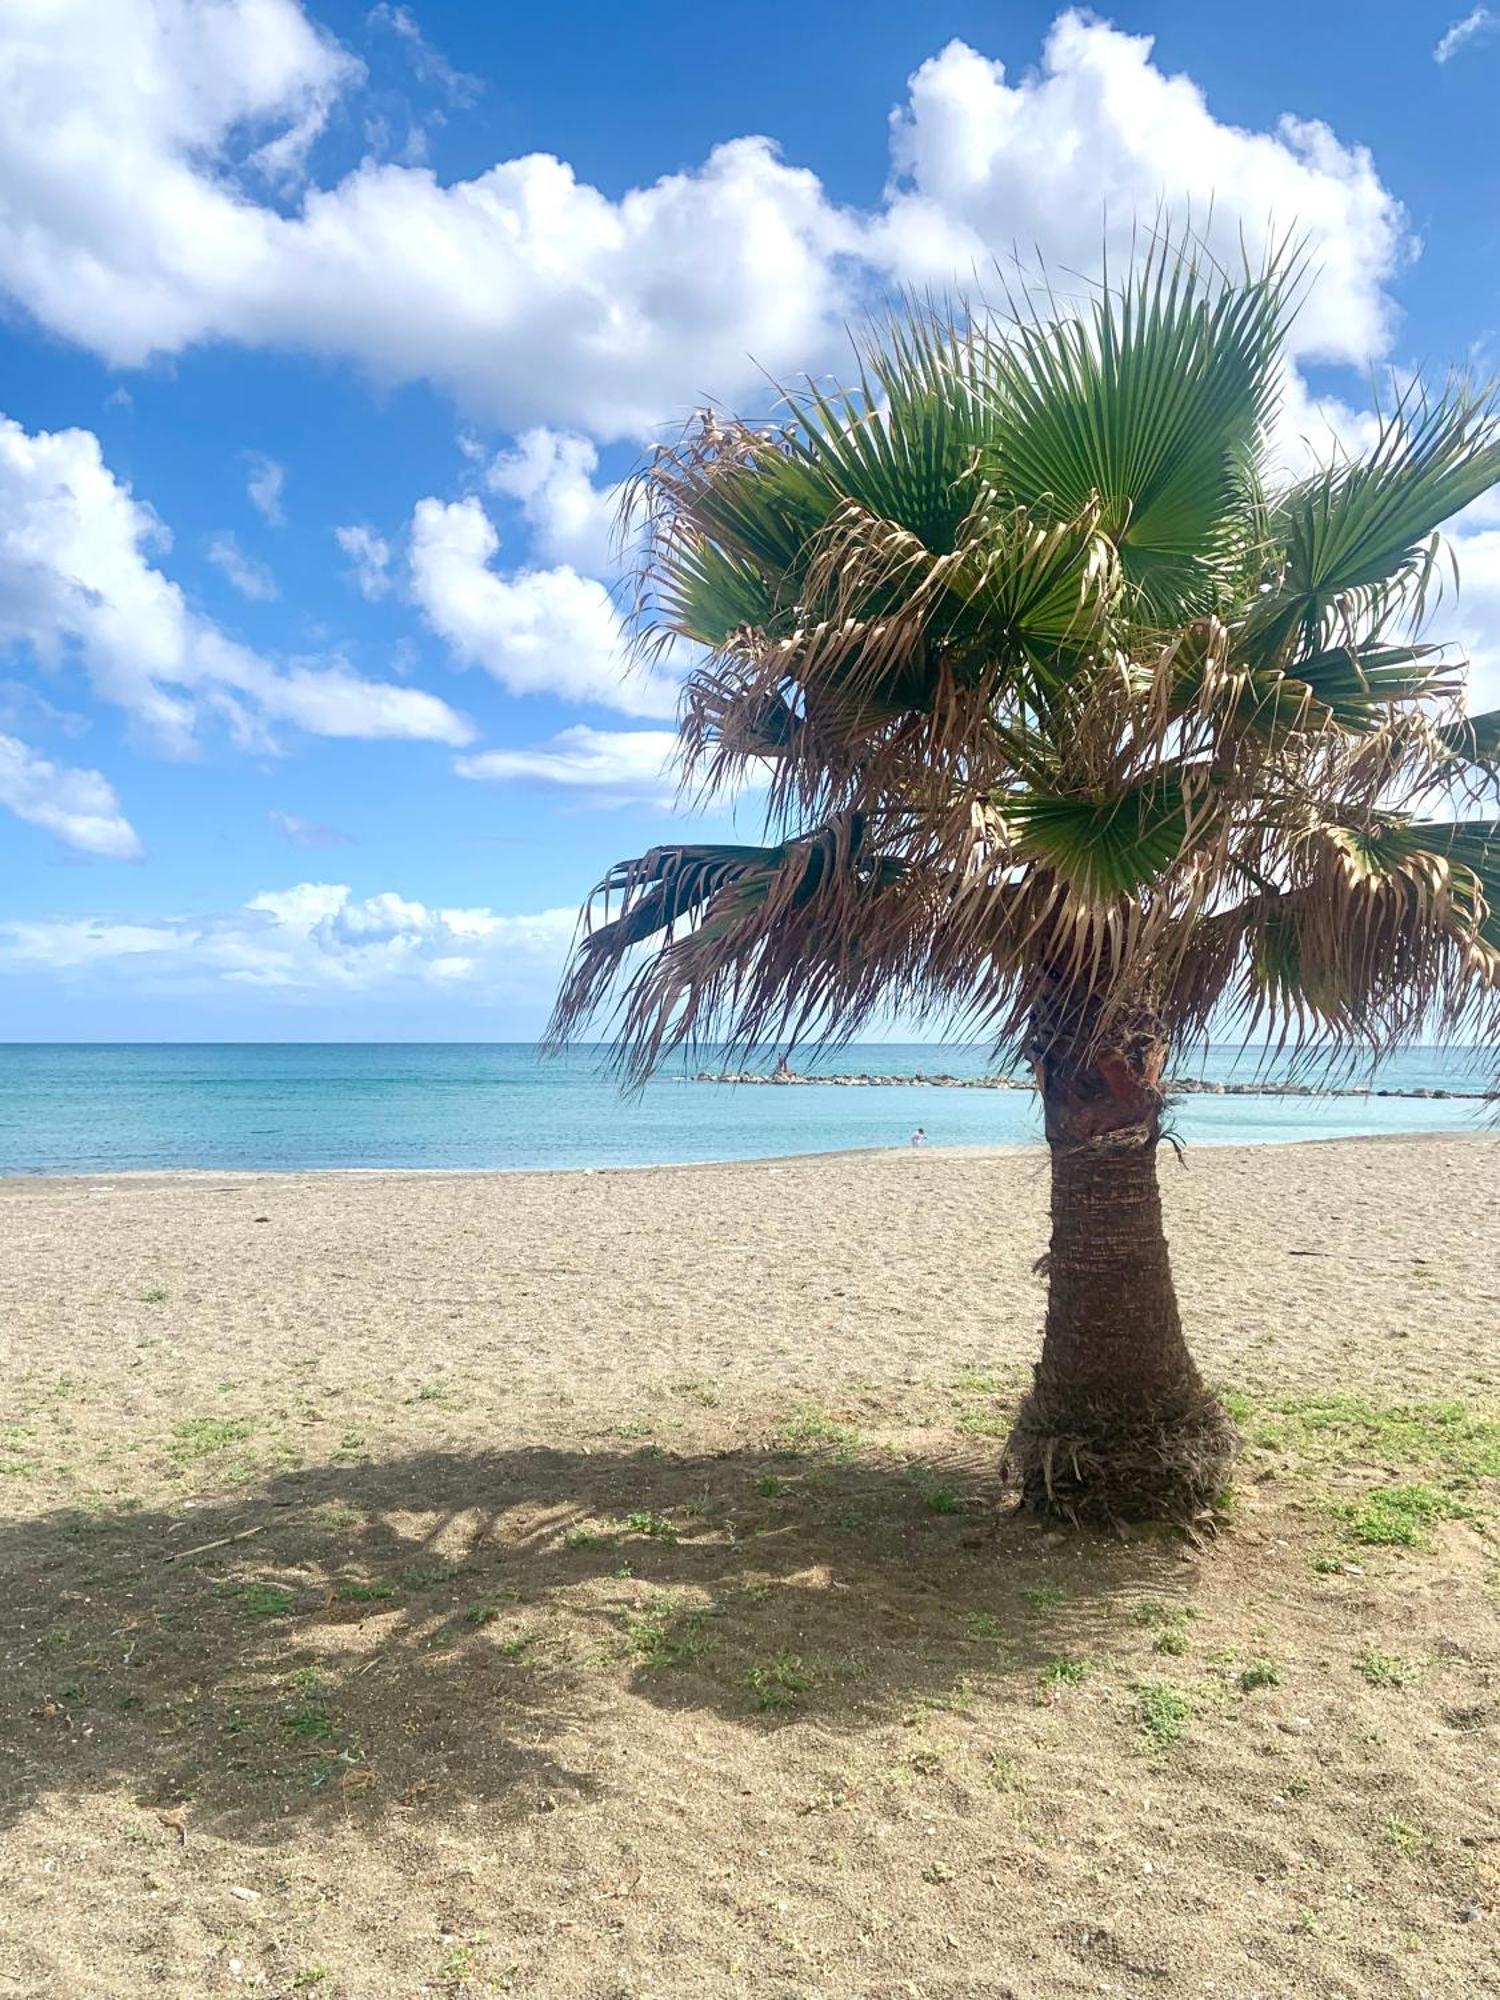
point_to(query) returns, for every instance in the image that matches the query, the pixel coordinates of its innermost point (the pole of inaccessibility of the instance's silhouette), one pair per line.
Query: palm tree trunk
(1118, 1422)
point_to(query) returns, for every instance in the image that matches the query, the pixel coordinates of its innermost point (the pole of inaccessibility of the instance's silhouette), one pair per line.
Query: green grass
(1450, 1437)
(426, 1576)
(780, 1682)
(308, 1719)
(773, 1486)
(588, 1538)
(1162, 1713)
(363, 1593)
(937, 1495)
(666, 1634)
(808, 1429)
(985, 1625)
(1042, 1596)
(1067, 1670)
(1399, 1517)
(1258, 1674)
(265, 1600)
(1385, 1670)
(655, 1526)
(1167, 1623)
(201, 1437)
(154, 1295)
(1406, 1840)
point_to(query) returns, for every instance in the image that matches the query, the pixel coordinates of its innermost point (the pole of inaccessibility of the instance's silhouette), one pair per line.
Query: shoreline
(1036, 1149)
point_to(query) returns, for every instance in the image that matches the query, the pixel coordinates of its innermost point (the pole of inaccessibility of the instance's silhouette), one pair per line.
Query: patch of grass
(655, 1526)
(308, 1719)
(707, 1394)
(426, 1576)
(1405, 1839)
(780, 1682)
(1385, 1670)
(265, 1600)
(984, 1625)
(481, 1614)
(1162, 1712)
(1003, 1772)
(200, 1437)
(937, 1495)
(976, 1421)
(311, 1976)
(773, 1486)
(1399, 1517)
(1333, 1430)
(588, 1538)
(1042, 1596)
(154, 1295)
(667, 1633)
(1167, 1622)
(439, 1393)
(1258, 1674)
(809, 1429)
(363, 1593)
(1067, 1670)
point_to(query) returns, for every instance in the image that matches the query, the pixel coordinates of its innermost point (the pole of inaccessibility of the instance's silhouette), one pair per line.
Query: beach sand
(612, 1597)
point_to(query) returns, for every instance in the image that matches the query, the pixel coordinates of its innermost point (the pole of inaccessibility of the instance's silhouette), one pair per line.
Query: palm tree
(1083, 732)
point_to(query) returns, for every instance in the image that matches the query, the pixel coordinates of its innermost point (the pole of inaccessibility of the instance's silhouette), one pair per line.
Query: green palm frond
(1062, 712)
(1156, 405)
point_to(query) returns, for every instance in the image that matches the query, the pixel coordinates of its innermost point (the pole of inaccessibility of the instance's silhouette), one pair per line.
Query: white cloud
(1074, 155)
(551, 474)
(265, 484)
(1480, 22)
(1474, 623)
(75, 579)
(538, 631)
(131, 228)
(299, 832)
(80, 807)
(612, 766)
(250, 578)
(370, 559)
(429, 65)
(311, 937)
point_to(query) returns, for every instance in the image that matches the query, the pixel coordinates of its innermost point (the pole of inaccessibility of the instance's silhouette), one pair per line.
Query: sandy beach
(593, 1585)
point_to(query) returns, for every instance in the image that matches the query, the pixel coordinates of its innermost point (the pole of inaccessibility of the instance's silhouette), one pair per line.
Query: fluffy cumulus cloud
(79, 807)
(1070, 158)
(77, 579)
(142, 221)
(606, 766)
(311, 937)
(550, 474)
(538, 631)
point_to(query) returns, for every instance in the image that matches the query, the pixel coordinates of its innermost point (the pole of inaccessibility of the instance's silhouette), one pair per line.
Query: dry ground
(610, 1596)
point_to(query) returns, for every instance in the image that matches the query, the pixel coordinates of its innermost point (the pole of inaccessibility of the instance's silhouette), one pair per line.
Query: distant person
(919, 1137)
(783, 1070)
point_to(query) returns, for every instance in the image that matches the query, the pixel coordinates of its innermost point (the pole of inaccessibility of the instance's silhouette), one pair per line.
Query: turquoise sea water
(73, 1109)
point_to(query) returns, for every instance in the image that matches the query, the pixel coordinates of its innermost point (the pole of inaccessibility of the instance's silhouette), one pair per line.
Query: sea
(304, 1106)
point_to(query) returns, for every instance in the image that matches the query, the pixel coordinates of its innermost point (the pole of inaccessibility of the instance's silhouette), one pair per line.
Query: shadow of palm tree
(432, 1632)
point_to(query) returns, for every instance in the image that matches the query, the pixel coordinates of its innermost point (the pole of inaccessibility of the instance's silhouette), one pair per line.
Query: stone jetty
(1177, 1086)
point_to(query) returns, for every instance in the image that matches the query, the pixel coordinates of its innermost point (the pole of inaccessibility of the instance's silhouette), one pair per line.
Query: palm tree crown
(1071, 717)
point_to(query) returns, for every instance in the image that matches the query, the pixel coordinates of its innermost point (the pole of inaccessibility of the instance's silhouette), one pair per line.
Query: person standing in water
(919, 1137)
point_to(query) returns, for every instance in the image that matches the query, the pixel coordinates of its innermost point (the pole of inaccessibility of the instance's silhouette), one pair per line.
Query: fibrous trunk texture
(1118, 1424)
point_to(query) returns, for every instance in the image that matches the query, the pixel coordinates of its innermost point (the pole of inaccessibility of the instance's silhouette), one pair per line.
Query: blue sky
(328, 329)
